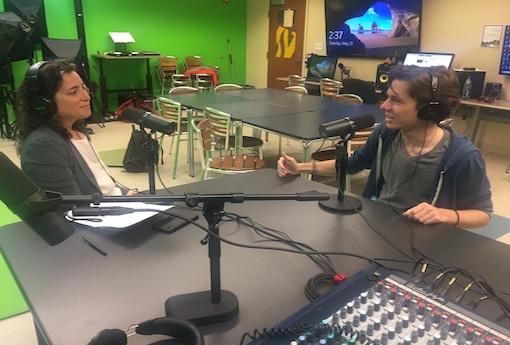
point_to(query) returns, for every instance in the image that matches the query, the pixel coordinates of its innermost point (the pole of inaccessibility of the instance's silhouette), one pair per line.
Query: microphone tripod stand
(217, 305)
(343, 203)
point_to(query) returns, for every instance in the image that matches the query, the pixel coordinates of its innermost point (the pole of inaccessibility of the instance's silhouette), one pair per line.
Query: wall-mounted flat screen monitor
(372, 29)
(428, 59)
(504, 66)
(320, 66)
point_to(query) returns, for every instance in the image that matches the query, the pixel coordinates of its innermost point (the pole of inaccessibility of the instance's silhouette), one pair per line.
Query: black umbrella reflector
(15, 42)
(69, 49)
(32, 12)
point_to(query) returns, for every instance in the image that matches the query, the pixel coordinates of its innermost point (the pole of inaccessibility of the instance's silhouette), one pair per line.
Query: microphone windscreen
(363, 121)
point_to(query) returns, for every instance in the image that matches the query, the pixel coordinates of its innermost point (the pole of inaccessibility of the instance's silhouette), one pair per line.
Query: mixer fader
(376, 307)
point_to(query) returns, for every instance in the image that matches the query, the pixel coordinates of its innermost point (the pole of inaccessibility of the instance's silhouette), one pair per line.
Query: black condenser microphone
(147, 120)
(349, 125)
(38, 209)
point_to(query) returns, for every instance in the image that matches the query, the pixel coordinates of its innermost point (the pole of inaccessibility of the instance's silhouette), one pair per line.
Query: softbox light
(15, 43)
(32, 12)
(69, 49)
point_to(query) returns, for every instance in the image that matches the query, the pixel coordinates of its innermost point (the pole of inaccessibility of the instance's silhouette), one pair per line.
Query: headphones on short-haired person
(431, 110)
(184, 332)
(38, 103)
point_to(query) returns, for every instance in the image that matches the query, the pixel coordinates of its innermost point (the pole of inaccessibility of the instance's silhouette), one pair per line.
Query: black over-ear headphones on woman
(40, 105)
(184, 332)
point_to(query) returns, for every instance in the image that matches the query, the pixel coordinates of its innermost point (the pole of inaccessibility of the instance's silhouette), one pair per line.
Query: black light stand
(343, 203)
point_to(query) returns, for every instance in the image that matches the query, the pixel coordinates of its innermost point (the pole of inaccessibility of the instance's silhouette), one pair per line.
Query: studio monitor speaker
(493, 90)
(381, 79)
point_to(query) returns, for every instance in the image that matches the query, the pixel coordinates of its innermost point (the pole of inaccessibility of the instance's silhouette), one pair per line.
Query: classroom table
(288, 114)
(74, 292)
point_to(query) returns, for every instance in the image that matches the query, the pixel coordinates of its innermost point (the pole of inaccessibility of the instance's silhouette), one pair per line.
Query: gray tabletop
(74, 292)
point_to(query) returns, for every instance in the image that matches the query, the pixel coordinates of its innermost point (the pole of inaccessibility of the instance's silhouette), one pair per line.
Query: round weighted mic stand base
(198, 308)
(348, 205)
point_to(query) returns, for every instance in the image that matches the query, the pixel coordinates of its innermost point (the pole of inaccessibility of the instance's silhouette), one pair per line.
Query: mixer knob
(384, 339)
(421, 308)
(343, 313)
(407, 301)
(357, 303)
(370, 310)
(370, 294)
(377, 305)
(444, 333)
(453, 325)
(380, 286)
(350, 307)
(412, 315)
(363, 315)
(437, 339)
(370, 329)
(384, 300)
(398, 307)
(405, 321)
(377, 324)
(384, 318)
(391, 333)
(391, 313)
(407, 340)
(428, 324)
(437, 316)
(470, 331)
(393, 293)
(363, 297)
(421, 330)
(488, 340)
(398, 326)
(336, 319)
(414, 336)
(355, 321)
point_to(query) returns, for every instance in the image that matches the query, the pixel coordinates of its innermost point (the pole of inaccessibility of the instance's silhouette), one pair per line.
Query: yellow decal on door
(285, 43)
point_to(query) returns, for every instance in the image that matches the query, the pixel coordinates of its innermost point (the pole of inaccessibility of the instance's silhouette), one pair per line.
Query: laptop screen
(429, 59)
(321, 67)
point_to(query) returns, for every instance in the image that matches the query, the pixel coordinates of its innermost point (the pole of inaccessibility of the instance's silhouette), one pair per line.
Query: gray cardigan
(55, 164)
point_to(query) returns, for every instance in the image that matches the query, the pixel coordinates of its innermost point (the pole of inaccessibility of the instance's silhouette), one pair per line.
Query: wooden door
(286, 36)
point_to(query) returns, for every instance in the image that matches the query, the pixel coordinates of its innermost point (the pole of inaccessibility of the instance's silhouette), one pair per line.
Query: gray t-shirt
(407, 180)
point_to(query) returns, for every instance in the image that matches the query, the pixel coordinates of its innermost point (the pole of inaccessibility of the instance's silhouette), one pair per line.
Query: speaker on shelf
(381, 78)
(493, 90)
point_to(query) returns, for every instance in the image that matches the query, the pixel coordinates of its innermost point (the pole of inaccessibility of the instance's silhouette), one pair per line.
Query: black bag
(135, 158)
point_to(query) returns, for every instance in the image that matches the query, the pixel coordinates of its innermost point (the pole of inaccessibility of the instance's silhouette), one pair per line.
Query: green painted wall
(11, 299)
(171, 27)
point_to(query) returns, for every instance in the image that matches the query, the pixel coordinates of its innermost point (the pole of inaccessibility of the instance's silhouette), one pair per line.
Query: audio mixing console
(377, 307)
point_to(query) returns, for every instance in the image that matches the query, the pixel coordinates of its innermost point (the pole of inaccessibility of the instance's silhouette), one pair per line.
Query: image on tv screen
(371, 28)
